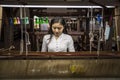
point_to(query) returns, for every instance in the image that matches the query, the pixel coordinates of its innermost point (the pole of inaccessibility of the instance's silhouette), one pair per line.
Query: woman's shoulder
(67, 36)
(47, 36)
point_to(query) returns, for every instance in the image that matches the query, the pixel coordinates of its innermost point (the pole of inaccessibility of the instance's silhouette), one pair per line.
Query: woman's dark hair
(57, 20)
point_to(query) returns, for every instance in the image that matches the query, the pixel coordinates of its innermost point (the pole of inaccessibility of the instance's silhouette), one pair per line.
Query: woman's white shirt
(61, 44)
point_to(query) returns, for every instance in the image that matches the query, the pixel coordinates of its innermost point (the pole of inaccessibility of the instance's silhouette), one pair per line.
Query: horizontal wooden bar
(59, 55)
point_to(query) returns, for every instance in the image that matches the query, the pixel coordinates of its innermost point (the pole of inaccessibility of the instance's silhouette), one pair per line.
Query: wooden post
(0, 21)
(8, 29)
(117, 24)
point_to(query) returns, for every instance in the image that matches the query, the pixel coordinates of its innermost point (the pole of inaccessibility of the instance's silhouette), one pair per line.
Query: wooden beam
(93, 2)
(0, 21)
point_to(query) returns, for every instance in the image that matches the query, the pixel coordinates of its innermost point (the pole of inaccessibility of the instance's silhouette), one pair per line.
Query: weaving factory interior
(92, 25)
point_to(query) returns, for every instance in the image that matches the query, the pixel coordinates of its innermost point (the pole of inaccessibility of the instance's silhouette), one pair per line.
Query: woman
(57, 40)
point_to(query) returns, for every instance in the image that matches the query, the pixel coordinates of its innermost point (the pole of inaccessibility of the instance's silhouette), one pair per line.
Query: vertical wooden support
(8, 29)
(117, 24)
(118, 21)
(0, 21)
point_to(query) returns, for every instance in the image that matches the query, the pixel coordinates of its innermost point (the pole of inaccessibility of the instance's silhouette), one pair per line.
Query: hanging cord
(91, 36)
(27, 42)
(37, 41)
(21, 42)
(98, 50)
(101, 33)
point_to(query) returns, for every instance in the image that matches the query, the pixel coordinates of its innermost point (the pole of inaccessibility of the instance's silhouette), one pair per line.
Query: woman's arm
(44, 45)
(71, 45)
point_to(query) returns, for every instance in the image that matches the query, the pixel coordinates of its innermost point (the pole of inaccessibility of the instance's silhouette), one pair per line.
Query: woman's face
(57, 29)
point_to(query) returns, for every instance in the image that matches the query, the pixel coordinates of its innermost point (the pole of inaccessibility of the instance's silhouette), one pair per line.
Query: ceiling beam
(98, 4)
(62, 2)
